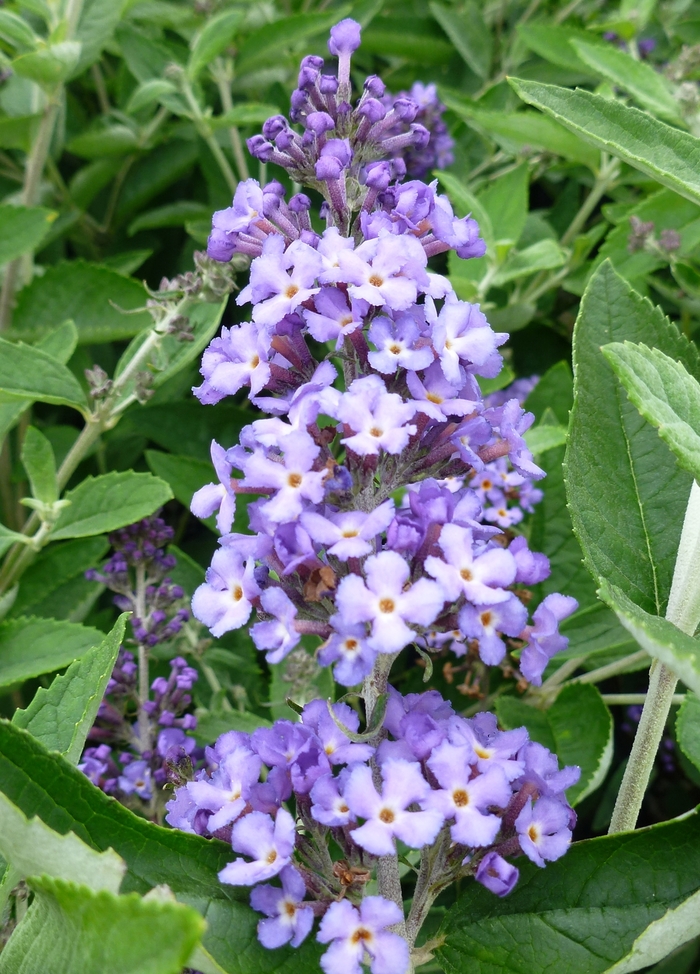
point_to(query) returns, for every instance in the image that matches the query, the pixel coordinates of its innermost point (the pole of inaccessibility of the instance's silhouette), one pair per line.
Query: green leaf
(641, 80)
(544, 255)
(516, 130)
(22, 228)
(50, 579)
(268, 43)
(30, 647)
(627, 497)
(216, 35)
(596, 637)
(39, 462)
(204, 320)
(36, 850)
(419, 40)
(18, 132)
(95, 29)
(8, 538)
(94, 297)
(61, 716)
(186, 428)
(153, 174)
(145, 56)
(50, 65)
(688, 728)
(246, 114)
(70, 928)
(47, 786)
(659, 637)
(184, 474)
(30, 373)
(666, 395)
(211, 724)
(543, 438)
(617, 903)
(17, 31)
(60, 344)
(102, 504)
(149, 92)
(578, 726)
(170, 215)
(469, 34)
(506, 202)
(111, 140)
(553, 43)
(666, 154)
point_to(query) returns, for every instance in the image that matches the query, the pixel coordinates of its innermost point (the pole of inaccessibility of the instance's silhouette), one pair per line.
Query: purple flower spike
(269, 843)
(289, 920)
(356, 934)
(543, 830)
(496, 874)
(386, 814)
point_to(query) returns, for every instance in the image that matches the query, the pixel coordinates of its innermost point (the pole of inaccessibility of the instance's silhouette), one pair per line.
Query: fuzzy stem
(144, 682)
(684, 612)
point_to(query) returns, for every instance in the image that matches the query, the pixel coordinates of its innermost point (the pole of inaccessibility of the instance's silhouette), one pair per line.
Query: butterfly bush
(386, 487)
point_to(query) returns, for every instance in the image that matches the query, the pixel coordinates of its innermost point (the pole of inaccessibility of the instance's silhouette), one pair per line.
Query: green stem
(634, 699)
(223, 82)
(206, 133)
(612, 669)
(684, 612)
(607, 175)
(36, 161)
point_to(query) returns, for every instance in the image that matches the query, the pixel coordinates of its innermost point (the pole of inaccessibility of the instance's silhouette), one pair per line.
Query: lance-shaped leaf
(30, 373)
(659, 637)
(39, 462)
(627, 496)
(30, 647)
(71, 928)
(665, 394)
(8, 538)
(665, 153)
(212, 39)
(22, 228)
(36, 850)
(688, 728)
(646, 86)
(469, 34)
(102, 504)
(614, 904)
(61, 716)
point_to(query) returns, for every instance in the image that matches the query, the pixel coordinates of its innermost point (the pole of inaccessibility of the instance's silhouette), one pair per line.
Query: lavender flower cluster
(336, 552)
(118, 761)
(429, 777)
(141, 726)
(139, 551)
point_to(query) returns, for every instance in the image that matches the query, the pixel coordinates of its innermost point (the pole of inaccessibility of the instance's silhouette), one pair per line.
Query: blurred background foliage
(123, 125)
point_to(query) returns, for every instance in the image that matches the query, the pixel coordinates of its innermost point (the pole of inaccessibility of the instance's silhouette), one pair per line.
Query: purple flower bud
(372, 109)
(496, 874)
(260, 148)
(406, 109)
(374, 86)
(274, 125)
(319, 123)
(345, 37)
(328, 84)
(300, 203)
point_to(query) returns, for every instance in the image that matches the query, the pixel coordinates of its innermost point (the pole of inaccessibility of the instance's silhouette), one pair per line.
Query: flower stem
(684, 612)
